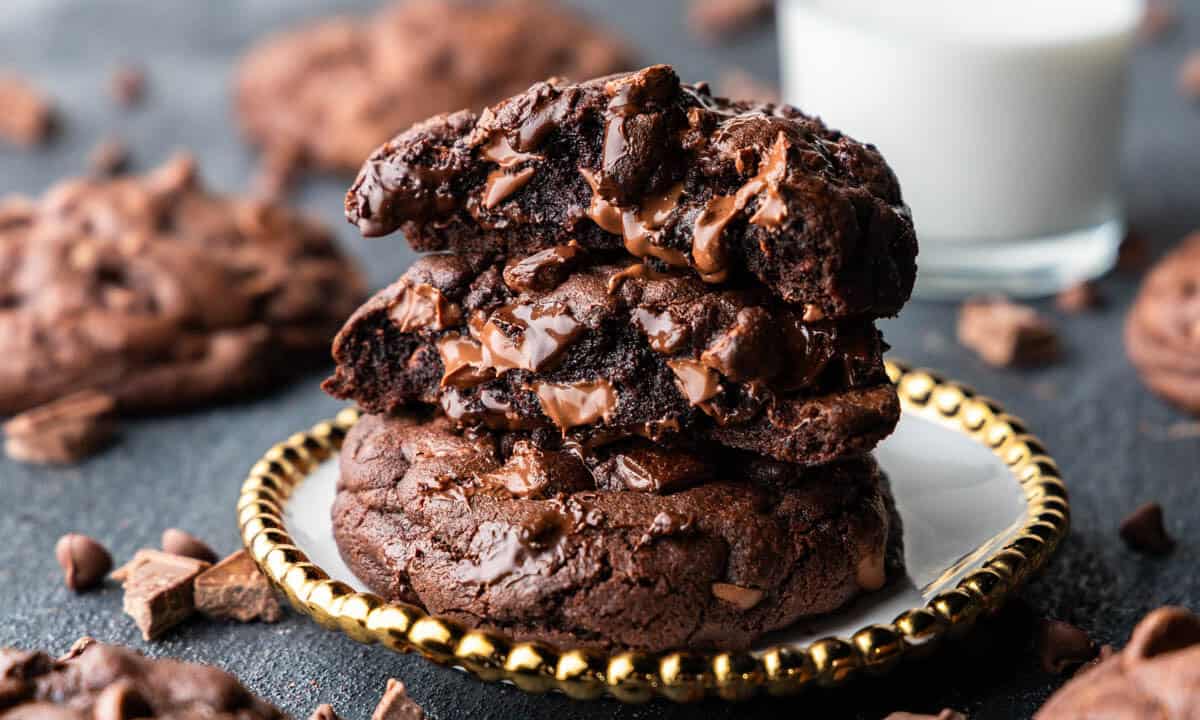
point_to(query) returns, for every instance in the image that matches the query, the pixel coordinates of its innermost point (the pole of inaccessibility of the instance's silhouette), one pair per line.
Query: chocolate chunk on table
(1143, 530)
(236, 589)
(159, 592)
(1063, 646)
(1006, 334)
(63, 431)
(728, 191)
(396, 704)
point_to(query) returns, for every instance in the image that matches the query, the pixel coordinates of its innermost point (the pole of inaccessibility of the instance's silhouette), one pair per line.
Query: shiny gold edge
(679, 676)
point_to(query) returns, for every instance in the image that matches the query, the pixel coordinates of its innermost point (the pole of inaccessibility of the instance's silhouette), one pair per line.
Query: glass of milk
(1002, 119)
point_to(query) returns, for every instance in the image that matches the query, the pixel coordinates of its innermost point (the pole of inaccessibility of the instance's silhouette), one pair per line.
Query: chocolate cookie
(98, 681)
(1162, 332)
(159, 293)
(1156, 676)
(625, 546)
(597, 351)
(667, 172)
(331, 92)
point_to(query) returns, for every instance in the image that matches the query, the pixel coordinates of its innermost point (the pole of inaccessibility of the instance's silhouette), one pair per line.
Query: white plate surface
(958, 502)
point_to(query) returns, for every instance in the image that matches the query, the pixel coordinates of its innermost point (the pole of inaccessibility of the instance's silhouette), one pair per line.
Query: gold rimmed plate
(981, 501)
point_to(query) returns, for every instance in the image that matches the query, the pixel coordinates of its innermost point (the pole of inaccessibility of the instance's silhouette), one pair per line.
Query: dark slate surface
(1114, 441)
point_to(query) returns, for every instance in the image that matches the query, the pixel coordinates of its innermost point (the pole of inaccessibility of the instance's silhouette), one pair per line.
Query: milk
(1002, 119)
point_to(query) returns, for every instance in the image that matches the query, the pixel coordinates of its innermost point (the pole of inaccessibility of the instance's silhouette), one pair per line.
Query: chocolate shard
(236, 589)
(159, 592)
(1006, 334)
(63, 431)
(396, 704)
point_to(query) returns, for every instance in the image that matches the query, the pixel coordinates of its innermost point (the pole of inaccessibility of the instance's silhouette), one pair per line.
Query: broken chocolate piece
(181, 542)
(1005, 334)
(62, 432)
(236, 589)
(159, 591)
(1063, 646)
(84, 561)
(1079, 298)
(1143, 530)
(396, 704)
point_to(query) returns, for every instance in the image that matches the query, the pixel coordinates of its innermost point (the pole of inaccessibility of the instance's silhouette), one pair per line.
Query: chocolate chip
(1079, 298)
(128, 85)
(159, 591)
(1134, 253)
(1006, 334)
(84, 561)
(1143, 531)
(236, 589)
(109, 157)
(717, 19)
(180, 542)
(63, 431)
(396, 704)
(1063, 646)
(1158, 18)
(324, 712)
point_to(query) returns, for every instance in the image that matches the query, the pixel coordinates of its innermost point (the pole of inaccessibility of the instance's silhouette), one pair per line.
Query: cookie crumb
(28, 118)
(159, 592)
(128, 85)
(1006, 334)
(717, 20)
(63, 431)
(1143, 531)
(235, 589)
(109, 157)
(396, 704)
(1079, 298)
(181, 542)
(84, 561)
(1063, 646)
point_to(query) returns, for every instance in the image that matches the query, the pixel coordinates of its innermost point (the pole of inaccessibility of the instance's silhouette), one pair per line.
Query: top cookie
(333, 91)
(160, 293)
(98, 681)
(665, 170)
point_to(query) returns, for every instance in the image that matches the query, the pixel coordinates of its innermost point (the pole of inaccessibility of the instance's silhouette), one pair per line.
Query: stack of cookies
(629, 402)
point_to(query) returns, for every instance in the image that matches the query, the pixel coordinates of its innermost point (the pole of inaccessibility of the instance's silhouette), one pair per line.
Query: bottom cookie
(625, 546)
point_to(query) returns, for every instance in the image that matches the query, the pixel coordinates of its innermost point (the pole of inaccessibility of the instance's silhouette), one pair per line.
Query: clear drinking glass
(1002, 119)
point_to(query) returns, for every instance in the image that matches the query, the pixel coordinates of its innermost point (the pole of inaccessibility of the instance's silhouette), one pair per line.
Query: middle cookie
(561, 343)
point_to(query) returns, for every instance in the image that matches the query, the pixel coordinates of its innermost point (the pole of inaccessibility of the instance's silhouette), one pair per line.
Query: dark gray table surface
(1111, 437)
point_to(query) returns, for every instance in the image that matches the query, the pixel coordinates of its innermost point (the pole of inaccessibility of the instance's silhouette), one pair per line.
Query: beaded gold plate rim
(678, 676)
